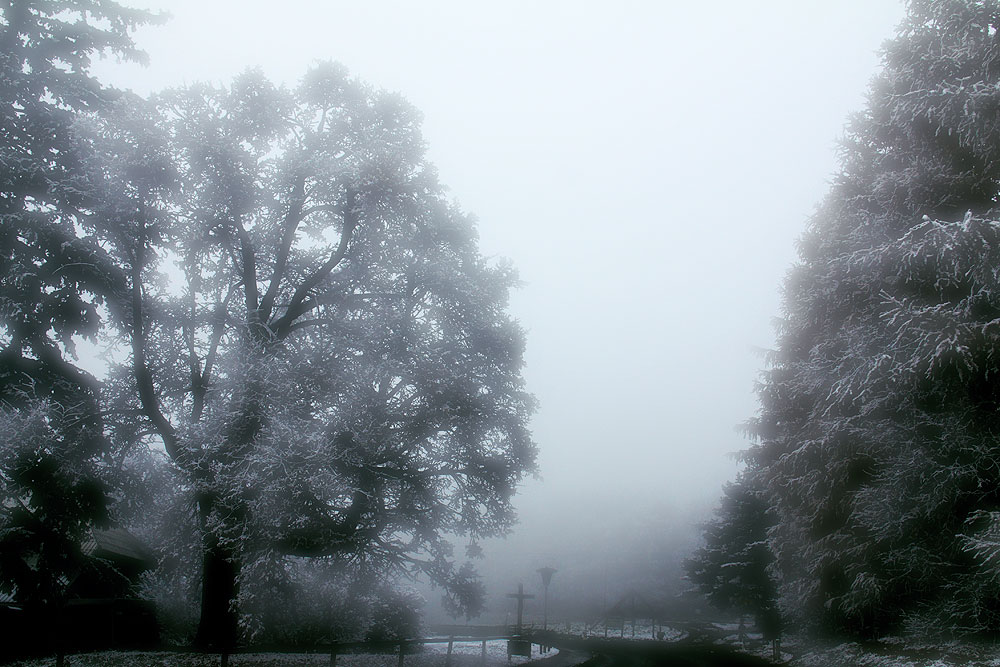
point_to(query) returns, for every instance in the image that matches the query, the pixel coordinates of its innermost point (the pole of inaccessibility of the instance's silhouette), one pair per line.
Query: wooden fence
(400, 647)
(395, 647)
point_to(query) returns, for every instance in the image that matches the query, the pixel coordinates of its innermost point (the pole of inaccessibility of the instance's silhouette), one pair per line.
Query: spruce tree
(732, 568)
(54, 276)
(878, 431)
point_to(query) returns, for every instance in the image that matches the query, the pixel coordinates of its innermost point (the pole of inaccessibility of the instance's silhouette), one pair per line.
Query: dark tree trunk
(218, 628)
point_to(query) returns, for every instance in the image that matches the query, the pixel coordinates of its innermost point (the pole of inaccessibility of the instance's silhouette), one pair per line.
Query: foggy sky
(646, 166)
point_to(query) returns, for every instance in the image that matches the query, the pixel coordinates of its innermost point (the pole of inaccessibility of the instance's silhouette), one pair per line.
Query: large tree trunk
(218, 628)
(219, 624)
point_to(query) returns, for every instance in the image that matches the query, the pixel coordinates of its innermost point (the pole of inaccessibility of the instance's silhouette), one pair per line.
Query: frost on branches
(313, 336)
(878, 439)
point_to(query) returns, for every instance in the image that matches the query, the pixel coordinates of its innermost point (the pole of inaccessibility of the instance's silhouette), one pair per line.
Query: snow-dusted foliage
(879, 431)
(54, 276)
(732, 568)
(49, 498)
(313, 334)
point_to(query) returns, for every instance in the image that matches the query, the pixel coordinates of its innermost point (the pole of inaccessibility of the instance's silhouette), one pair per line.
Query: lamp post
(546, 573)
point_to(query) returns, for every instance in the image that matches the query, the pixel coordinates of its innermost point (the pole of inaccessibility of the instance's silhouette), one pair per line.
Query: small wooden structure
(103, 610)
(520, 596)
(632, 607)
(100, 608)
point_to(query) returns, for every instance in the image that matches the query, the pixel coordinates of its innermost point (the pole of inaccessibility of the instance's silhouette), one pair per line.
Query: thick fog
(647, 167)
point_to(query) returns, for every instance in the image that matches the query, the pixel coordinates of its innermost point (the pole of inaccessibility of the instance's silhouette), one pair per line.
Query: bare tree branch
(295, 308)
(248, 258)
(218, 329)
(291, 224)
(143, 375)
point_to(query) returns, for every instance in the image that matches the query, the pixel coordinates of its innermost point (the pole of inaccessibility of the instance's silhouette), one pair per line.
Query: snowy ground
(898, 653)
(496, 651)
(753, 642)
(465, 654)
(642, 630)
(889, 652)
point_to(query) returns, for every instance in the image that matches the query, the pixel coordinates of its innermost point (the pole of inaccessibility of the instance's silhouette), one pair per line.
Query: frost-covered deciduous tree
(879, 431)
(314, 336)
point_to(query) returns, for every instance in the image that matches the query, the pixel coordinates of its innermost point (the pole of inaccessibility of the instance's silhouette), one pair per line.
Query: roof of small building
(119, 543)
(633, 605)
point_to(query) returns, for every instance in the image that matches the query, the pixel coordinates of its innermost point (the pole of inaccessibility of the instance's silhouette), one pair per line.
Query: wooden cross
(521, 597)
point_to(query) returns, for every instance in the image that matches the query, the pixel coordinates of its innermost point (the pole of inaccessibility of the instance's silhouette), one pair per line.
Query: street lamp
(546, 573)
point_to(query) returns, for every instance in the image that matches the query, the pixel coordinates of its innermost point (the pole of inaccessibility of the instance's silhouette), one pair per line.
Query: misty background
(647, 168)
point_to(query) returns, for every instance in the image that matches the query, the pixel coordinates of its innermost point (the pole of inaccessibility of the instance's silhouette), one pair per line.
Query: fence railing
(398, 647)
(401, 647)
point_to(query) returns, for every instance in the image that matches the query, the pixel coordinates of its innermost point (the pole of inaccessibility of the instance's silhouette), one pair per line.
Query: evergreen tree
(54, 275)
(732, 568)
(878, 432)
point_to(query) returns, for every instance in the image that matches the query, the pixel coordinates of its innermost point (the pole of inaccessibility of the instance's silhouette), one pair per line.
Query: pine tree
(54, 276)
(878, 432)
(732, 568)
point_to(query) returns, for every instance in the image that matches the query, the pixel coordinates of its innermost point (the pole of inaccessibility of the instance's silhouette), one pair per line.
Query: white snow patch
(496, 649)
